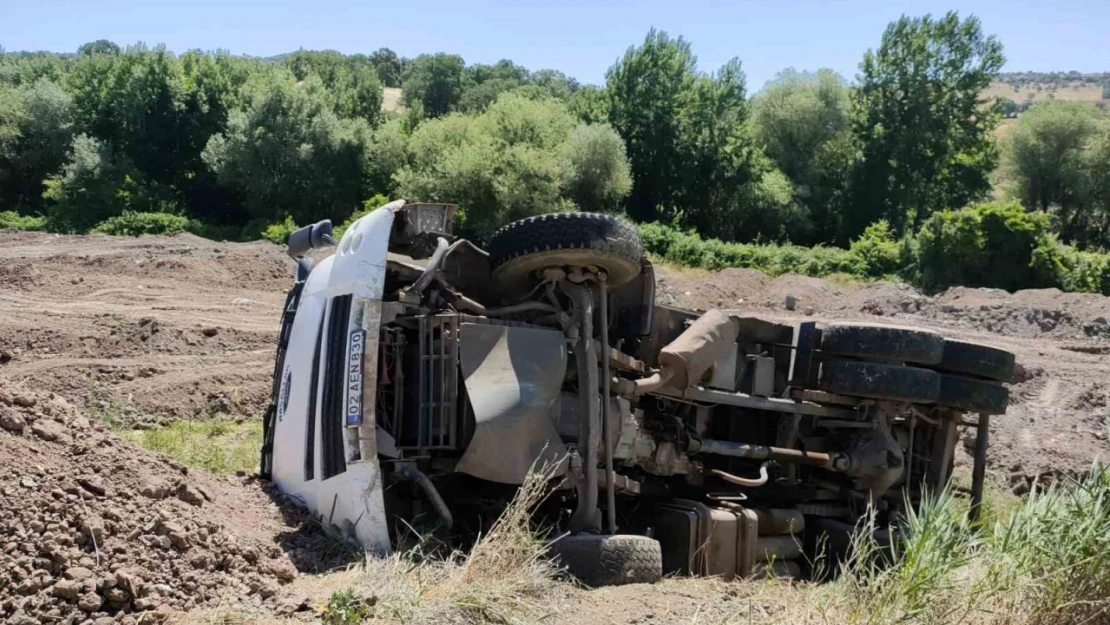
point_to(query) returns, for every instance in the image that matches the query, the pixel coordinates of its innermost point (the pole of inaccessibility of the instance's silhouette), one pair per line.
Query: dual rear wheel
(913, 365)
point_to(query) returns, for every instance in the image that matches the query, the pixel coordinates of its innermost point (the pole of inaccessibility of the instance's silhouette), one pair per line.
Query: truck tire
(524, 247)
(884, 343)
(876, 380)
(597, 560)
(977, 360)
(973, 395)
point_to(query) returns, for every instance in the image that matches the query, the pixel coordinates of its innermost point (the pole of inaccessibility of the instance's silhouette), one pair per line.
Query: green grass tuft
(219, 445)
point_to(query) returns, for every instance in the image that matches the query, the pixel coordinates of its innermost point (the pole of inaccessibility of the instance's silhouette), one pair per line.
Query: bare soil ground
(99, 332)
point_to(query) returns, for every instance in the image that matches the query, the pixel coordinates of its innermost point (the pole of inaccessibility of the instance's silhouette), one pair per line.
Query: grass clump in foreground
(1043, 562)
(219, 445)
(504, 578)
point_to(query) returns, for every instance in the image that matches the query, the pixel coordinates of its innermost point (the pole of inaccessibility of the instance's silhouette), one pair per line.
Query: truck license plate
(356, 345)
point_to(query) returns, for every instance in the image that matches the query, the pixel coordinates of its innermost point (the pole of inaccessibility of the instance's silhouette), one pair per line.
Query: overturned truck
(420, 380)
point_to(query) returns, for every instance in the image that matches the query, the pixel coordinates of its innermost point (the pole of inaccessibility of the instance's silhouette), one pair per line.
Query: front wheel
(597, 560)
(520, 251)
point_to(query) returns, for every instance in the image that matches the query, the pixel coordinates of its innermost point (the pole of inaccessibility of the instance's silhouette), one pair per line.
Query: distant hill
(1028, 87)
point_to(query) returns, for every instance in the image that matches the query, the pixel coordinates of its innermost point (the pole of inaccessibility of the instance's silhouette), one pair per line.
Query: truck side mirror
(310, 237)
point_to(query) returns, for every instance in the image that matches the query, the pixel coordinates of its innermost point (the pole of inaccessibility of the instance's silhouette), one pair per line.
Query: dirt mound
(1028, 313)
(144, 329)
(93, 527)
(733, 288)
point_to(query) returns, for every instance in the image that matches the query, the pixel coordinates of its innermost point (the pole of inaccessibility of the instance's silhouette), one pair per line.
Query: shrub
(686, 248)
(279, 232)
(15, 221)
(367, 206)
(85, 191)
(1085, 272)
(347, 608)
(877, 250)
(134, 224)
(991, 245)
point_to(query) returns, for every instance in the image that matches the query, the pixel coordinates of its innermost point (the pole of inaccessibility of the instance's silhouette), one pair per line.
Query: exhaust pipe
(685, 360)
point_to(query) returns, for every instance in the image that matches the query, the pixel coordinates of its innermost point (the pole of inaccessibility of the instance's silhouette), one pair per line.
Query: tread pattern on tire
(882, 342)
(975, 359)
(876, 380)
(973, 395)
(610, 560)
(595, 231)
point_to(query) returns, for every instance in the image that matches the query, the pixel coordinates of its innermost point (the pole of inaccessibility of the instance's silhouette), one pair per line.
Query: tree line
(238, 146)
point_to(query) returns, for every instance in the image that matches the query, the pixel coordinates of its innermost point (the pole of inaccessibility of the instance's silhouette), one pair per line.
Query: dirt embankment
(95, 528)
(139, 332)
(142, 331)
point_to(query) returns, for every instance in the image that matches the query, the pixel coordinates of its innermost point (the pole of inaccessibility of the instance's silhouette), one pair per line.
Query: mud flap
(513, 377)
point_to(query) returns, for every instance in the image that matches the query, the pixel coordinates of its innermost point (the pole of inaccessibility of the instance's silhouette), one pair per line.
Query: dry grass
(391, 100)
(504, 578)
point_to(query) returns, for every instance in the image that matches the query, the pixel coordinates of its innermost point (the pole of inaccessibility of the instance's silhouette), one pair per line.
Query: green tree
(388, 65)
(501, 70)
(598, 176)
(286, 153)
(1046, 157)
(100, 46)
(213, 88)
(483, 84)
(520, 158)
(498, 167)
(693, 158)
(1009, 108)
(134, 103)
(434, 82)
(84, 193)
(386, 155)
(722, 185)
(924, 136)
(554, 84)
(95, 184)
(646, 89)
(351, 81)
(1097, 164)
(478, 97)
(990, 245)
(24, 68)
(157, 112)
(801, 121)
(36, 128)
(451, 160)
(590, 104)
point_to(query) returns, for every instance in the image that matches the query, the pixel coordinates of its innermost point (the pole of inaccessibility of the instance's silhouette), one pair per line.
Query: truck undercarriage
(420, 380)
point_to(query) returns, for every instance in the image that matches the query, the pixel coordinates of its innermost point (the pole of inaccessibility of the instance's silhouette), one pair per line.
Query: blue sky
(581, 39)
